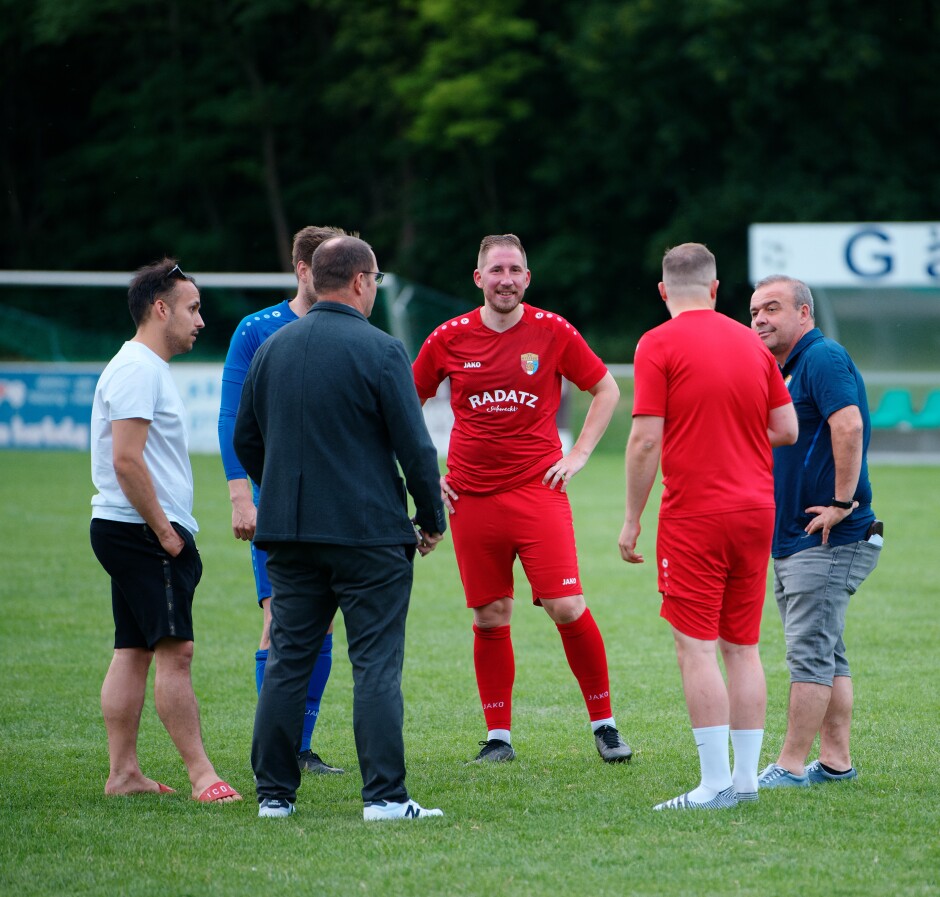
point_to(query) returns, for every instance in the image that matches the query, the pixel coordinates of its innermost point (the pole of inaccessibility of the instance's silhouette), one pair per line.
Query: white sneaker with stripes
(723, 800)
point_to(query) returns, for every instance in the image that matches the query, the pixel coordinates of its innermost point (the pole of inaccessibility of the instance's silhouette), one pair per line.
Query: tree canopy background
(600, 132)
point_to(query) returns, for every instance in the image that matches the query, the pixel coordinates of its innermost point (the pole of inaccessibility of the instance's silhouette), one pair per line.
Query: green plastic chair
(895, 410)
(929, 416)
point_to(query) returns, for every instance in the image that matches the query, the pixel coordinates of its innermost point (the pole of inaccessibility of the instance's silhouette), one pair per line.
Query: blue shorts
(813, 588)
(259, 564)
(259, 560)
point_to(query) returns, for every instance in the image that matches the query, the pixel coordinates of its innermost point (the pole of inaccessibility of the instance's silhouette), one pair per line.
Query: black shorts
(151, 592)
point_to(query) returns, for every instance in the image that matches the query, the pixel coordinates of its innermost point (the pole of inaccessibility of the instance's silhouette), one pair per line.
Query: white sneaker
(275, 809)
(386, 809)
(723, 800)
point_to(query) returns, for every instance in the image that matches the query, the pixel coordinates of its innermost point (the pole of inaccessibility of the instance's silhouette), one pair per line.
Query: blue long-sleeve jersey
(251, 332)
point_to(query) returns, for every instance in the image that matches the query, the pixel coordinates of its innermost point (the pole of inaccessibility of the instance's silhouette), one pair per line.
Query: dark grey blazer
(328, 406)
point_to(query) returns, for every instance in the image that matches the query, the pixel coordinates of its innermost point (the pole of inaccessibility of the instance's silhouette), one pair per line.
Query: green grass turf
(557, 821)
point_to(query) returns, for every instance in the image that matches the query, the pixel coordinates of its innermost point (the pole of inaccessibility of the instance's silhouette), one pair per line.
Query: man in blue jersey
(251, 332)
(826, 538)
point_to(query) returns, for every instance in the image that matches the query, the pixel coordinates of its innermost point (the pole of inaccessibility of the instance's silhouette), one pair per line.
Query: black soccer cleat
(311, 762)
(495, 751)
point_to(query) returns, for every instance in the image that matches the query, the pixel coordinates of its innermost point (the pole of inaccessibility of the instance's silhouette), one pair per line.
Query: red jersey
(505, 389)
(715, 383)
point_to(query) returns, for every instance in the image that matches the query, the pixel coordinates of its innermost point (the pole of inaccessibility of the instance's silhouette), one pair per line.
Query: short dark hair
(337, 261)
(307, 239)
(154, 281)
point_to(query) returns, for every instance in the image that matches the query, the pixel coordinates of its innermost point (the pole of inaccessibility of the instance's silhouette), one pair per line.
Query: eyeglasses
(176, 269)
(379, 275)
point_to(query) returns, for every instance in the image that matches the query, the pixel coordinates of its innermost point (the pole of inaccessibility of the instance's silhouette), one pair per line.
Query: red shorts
(713, 573)
(532, 522)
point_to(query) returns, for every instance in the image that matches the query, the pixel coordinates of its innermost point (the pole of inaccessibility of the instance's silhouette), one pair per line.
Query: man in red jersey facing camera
(507, 479)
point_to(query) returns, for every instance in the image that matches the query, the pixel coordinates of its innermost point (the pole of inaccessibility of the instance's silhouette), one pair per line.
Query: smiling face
(779, 319)
(503, 277)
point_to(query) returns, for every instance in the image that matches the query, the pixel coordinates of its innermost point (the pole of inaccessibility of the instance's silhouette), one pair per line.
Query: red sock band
(496, 671)
(584, 648)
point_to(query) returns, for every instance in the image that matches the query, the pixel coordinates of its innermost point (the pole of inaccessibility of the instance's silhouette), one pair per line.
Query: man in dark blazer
(327, 409)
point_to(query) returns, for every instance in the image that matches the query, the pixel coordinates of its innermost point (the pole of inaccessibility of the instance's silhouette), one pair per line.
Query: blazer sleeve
(410, 439)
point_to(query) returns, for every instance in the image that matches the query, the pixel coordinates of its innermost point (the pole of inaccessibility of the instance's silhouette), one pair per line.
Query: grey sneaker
(311, 762)
(723, 800)
(378, 810)
(745, 797)
(818, 776)
(775, 776)
(275, 809)
(495, 751)
(611, 747)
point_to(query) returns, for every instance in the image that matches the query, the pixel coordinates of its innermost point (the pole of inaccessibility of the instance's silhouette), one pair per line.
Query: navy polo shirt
(822, 379)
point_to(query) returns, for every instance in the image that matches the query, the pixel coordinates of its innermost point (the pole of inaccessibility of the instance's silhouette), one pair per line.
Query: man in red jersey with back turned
(709, 399)
(507, 478)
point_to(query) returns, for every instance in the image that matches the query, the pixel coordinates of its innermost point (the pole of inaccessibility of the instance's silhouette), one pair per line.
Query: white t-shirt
(137, 384)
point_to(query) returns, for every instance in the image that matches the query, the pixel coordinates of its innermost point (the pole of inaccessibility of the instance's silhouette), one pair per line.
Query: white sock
(597, 723)
(712, 744)
(500, 734)
(747, 744)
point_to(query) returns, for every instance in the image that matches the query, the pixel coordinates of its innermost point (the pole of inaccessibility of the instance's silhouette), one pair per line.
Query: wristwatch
(845, 505)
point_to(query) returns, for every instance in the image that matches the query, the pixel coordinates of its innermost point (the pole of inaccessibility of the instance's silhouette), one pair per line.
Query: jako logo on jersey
(472, 364)
(530, 362)
(503, 395)
(570, 581)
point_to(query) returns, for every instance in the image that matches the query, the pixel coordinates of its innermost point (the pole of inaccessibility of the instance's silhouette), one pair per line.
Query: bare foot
(133, 784)
(214, 790)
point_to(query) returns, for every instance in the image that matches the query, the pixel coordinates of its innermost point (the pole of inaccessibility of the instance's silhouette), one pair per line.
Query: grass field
(557, 821)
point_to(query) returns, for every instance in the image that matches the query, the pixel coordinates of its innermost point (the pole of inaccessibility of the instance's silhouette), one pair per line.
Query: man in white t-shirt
(142, 532)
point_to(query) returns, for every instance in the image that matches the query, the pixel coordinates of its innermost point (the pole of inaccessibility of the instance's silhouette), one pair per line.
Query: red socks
(496, 668)
(584, 648)
(496, 671)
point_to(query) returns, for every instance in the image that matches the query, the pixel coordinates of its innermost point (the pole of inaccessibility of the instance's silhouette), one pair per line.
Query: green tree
(601, 133)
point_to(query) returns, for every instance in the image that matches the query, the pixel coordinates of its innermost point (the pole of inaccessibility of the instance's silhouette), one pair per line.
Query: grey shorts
(813, 588)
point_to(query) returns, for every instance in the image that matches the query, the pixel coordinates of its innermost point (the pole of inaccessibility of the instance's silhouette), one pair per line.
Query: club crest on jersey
(530, 362)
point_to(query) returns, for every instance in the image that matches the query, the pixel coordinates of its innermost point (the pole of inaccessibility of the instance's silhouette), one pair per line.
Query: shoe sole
(820, 777)
(777, 783)
(402, 818)
(724, 800)
(626, 759)
(491, 759)
(277, 814)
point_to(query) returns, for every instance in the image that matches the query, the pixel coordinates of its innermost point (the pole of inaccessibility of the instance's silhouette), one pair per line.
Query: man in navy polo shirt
(826, 538)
